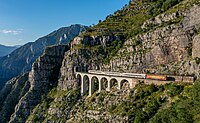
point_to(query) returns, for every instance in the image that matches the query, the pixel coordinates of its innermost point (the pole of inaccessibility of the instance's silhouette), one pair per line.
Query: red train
(134, 75)
(156, 77)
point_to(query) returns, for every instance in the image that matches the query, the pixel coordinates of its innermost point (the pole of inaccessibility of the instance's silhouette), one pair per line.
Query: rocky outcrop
(163, 45)
(161, 19)
(186, 68)
(196, 47)
(14, 90)
(94, 40)
(43, 77)
(98, 108)
(74, 61)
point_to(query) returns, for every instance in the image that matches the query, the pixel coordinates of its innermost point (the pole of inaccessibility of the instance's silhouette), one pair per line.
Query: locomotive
(156, 77)
(134, 75)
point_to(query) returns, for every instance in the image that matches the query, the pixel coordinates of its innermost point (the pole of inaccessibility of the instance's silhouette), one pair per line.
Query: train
(157, 77)
(96, 72)
(134, 75)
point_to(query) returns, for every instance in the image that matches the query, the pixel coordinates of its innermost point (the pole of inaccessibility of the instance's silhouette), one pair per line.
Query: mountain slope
(20, 60)
(165, 41)
(5, 50)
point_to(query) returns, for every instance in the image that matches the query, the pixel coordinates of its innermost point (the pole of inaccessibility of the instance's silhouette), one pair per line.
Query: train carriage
(156, 77)
(135, 75)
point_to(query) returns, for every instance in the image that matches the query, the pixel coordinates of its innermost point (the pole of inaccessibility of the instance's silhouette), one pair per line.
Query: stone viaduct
(98, 80)
(104, 81)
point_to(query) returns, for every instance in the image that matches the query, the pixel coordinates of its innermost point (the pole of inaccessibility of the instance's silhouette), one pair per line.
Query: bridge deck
(171, 78)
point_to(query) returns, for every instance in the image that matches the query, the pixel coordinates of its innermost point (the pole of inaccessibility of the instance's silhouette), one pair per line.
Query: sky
(23, 21)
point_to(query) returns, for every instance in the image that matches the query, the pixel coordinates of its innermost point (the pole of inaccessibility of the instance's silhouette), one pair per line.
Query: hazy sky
(22, 21)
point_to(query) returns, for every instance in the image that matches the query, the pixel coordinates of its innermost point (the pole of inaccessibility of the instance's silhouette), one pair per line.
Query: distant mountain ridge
(153, 37)
(5, 50)
(20, 60)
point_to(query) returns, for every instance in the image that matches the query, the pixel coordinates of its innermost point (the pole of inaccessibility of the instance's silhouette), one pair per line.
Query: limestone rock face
(162, 45)
(11, 94)
(186, 67)
(74, 61)
(94, 40)
(100, 113)
(43, 77)
(196, 47)
(162, 18)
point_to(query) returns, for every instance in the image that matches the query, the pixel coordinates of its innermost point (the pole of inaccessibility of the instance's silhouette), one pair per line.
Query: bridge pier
(83, 86)
(119, 84)
(91, 88)
(109, 85)
(100, 85)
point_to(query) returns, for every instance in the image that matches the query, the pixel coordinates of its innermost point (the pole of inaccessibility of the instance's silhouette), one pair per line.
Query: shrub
(189, 51)
(174, 89)
(197, 60)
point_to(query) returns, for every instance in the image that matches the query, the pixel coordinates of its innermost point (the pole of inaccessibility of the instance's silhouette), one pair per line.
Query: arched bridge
(99, 80)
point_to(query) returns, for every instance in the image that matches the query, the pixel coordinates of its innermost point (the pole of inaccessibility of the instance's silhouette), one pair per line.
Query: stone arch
(75, 69)
(78, 79)
(94, 84)
(104, 83)
(124, 84)
(85, 84)
(114, 83)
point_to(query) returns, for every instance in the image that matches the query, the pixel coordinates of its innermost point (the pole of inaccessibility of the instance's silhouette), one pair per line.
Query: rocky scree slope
(61, 101)
(20, 60)
(13, 91)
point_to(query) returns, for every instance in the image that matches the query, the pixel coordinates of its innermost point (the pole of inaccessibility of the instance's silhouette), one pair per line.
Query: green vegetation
(198, 31)
(162, 6)
(189, 51)
(40, 112)
(143, 105)
(126, 23)
(197, 60)
(152, 27)
(112, 49)
(170, 103)
(183, 5)
(185, 110)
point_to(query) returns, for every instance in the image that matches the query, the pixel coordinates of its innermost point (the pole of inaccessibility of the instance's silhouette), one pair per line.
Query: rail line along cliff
(148, 38)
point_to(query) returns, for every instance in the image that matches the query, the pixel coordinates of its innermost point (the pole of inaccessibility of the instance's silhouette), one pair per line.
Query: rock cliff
(164, 43)
(13, 91)
(20, 61)
(42, 78)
